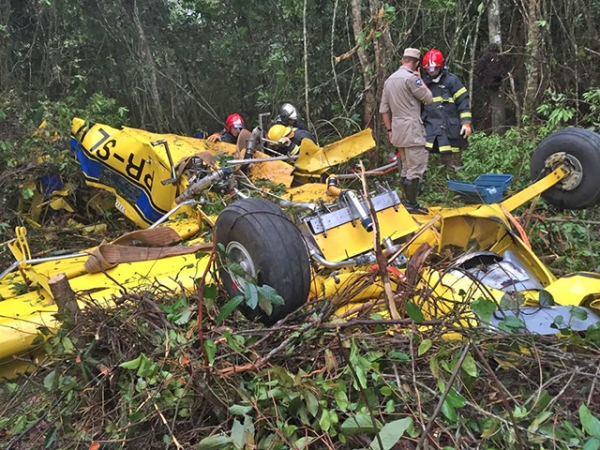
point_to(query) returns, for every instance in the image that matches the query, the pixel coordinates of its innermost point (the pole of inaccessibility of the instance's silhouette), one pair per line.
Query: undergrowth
(136, 376)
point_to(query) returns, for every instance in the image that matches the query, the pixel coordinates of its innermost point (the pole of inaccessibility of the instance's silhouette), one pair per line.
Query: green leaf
(341, 399)
(209, 291)
(590, 424)
(27, 193)
(591, 444)
(218, 442)
(251, 295)
(132, 364)
(304, 442)
(359, 423)
(511, 324)
(391, 433)
(470, 366)
(265, 305)
(50, 381)
(520, 412)
(211, 350)
(449, 411)
(579, 313)
(239, 410)
(270, 294)
(424, 346)
(546, 298)
(186, 313)
(540, 419)
(237, 434)
(484, 309)
(50, 437)
(228, 308)
(325, 421)
(400, 356)
(455, 399)
(312, 404)
(414, 312)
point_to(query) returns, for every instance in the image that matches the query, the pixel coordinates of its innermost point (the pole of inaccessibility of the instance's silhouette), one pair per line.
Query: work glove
(285, 141)
(466, 130)
(215, 137)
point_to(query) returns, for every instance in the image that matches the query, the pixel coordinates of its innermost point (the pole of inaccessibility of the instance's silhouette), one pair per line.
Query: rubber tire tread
(585, 146)
(277, 250)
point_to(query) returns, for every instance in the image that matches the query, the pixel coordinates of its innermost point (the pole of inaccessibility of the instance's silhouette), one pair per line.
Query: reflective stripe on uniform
(295, 150)
(464, 115)
(428, 144)
(441, 100)
(460, 92)
(449, 148)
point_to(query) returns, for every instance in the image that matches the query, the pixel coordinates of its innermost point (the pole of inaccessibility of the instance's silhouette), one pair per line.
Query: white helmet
(287, 110)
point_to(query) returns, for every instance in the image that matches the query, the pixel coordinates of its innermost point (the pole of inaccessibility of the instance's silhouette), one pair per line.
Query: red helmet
(234, 120)
(433, 59)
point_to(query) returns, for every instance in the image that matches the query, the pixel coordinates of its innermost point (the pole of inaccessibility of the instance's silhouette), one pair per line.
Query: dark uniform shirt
(226, 136)
(294, 147)
(444, 117)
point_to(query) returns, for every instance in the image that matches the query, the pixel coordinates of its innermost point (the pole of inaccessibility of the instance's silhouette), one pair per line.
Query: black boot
(403, 186)
(412, 190)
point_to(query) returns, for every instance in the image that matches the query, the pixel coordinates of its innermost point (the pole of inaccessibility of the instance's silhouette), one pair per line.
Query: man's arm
(461, 100)
(384, 109)
(460, 95)
(420, 90)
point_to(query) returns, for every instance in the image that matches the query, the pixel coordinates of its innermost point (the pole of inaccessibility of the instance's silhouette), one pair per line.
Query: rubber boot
(403, 187)
(458, 162)
(447, 159)
(412, 190)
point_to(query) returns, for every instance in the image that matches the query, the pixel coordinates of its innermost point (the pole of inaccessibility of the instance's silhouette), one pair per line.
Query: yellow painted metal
(22, 314)
(572, 290)
(274, 171)
(315, 159)
(527, 194)
(349, 240)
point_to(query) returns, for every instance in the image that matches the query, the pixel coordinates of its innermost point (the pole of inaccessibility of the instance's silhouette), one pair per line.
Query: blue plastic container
(487, 188)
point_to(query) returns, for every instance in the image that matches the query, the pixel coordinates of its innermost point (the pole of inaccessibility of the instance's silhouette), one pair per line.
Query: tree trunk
(305, 38)
(497, 99)
(384, 54)
(150, 70)
(533, 53)
(64, 297)
(369, 98)
(4, 45)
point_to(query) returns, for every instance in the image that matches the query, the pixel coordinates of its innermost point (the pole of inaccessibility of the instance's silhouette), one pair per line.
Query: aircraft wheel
(580, 150)
(261, 239)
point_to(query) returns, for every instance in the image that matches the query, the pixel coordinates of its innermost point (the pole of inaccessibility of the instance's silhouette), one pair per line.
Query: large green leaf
(391, 433)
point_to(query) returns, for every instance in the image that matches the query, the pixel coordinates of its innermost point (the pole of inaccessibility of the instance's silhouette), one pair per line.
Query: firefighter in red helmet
(448, 119)
(233, 125)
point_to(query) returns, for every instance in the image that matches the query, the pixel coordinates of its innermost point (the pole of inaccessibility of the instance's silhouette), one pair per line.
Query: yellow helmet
(278, 131)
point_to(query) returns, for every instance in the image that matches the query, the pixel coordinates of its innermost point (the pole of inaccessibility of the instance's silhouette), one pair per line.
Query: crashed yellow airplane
(328, 241)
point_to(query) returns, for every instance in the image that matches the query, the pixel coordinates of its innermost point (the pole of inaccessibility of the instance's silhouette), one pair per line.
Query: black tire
(582, 148)
(259, 234)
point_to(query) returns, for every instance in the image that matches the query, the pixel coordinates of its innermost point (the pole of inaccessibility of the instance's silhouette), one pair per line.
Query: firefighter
(233, 125)
(288, 115)
(448, 119)
(288, 138)
(403, 93)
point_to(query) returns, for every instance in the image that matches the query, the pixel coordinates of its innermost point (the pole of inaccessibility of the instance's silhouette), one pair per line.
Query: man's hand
(285, 141)
(390, 135)
(215, 137)
(466, 130)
